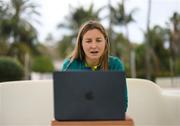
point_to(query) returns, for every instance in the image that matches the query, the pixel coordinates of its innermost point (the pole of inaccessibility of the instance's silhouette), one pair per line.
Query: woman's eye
(99, 40)
(88, 41)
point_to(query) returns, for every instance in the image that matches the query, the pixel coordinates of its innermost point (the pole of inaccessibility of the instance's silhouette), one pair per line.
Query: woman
(92, 51)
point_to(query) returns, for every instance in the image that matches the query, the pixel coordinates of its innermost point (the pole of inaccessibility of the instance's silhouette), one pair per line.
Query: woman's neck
(92, 63)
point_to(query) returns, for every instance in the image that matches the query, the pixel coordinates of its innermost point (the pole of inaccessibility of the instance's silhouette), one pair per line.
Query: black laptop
(86, 95)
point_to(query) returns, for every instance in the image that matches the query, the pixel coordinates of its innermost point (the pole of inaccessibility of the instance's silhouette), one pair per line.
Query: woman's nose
(93, 44)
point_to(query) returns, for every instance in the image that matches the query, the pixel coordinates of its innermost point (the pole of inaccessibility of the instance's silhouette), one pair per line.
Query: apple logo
(89, 95)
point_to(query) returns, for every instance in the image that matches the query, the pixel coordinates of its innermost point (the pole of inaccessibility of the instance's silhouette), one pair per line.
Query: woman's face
(93, 44)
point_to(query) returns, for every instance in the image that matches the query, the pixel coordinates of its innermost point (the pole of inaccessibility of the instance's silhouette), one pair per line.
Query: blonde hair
(78, 52)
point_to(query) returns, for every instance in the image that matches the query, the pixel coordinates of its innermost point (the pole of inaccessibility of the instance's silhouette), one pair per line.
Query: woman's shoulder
(65, 63)
(68, 64)
(114, 59)
(115, 63)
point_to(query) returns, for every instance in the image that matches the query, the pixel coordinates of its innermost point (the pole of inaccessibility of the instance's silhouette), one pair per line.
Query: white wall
(41, 76)
(168, 82)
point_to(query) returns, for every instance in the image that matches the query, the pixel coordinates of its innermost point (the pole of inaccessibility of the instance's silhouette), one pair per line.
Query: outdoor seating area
(30, 103)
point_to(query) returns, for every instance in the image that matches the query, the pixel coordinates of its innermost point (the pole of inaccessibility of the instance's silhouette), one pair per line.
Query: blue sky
(54, 11)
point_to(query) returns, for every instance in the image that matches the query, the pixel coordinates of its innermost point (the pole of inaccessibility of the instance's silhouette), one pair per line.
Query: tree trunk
(132, 56)
(147, 57)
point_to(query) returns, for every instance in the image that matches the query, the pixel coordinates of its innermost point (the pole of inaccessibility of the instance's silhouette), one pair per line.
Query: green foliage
(120, 45)
(79, 15)
(42, 64)
(42, 49)
(140, 61)
(120, 16)
(15, 23)
(19, 50)
(178, 66)
(3, 47)
(160, 53)
(119, 48)
(10, 70)
(65, 46)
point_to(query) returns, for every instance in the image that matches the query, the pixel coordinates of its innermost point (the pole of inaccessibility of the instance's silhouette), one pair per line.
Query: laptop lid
(87, 95)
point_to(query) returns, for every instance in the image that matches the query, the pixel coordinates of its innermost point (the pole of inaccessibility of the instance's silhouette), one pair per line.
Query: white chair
(30, 103)
(0, 103)
(149, 106)
(27, 103)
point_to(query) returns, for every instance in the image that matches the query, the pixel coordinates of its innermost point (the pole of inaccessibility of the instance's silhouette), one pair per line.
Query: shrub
(178, 66)
(10, 69)
(42, 64)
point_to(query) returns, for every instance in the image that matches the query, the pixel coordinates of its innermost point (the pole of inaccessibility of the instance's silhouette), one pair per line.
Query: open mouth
(94, 52)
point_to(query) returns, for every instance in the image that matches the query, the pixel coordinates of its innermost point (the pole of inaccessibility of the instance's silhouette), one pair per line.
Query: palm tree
(3, 29)
(20, 23)
(121, 18)
(17, 30)
(147, 45)
(158, 54)
(16, 27)
(175, 40)
(78, 16)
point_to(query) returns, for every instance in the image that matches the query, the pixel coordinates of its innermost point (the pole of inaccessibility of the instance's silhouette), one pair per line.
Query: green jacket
(114, 64)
